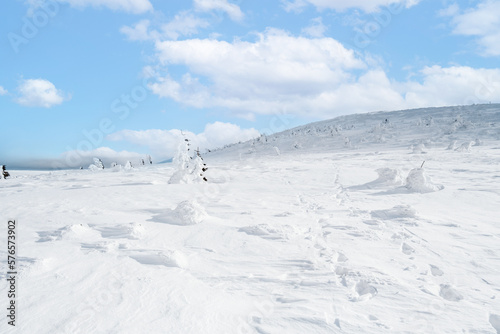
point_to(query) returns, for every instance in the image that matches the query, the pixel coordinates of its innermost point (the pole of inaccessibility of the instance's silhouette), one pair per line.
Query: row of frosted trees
(190, 167)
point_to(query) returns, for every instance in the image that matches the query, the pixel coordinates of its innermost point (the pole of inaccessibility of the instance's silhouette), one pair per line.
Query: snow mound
(181, 177)
(264, 231)
(452, 146)
(465, 147)
(418, 181)
(186, 213)
(397, 212)
(132, 231)
(450, 294)
(419, 149)
(167, 258)
(389, 176)
(495, 322)
(364, 291)
(76, 231)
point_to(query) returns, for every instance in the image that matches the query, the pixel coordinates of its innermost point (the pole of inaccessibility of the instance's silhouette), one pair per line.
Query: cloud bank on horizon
(233, 65)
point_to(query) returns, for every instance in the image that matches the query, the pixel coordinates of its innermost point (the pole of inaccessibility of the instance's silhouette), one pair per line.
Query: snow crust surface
(333, 227)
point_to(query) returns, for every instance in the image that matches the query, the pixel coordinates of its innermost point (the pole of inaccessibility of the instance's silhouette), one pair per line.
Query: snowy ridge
(304, 233)
(455, 127)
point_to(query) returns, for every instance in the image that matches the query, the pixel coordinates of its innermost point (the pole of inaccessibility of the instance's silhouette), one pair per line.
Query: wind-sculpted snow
(418, 181)
(186, 213)
(346, 227)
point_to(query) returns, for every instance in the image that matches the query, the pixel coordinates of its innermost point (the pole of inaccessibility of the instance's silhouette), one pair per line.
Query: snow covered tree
(189, 169)
(97, 165)
(181, 162)
(150, 160)
(199, 166)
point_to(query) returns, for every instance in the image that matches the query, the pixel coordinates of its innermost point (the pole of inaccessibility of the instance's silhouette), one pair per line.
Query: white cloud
(294, 6)
(230, 9)
(482, 22)
(451, 10)
(39, 93)
(316, 29)
(3, 91)
(164, 143)
(130, 6)
(140, 31)
(453, 85)
(315, 77)
(279, 70)
(183, 24)
(342, 5)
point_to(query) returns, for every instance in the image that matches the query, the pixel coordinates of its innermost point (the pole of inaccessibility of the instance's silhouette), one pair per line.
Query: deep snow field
(328, 228)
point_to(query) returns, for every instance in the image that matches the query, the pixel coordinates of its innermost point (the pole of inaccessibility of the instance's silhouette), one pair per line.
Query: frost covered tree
(181, 162)
(189, 169)
(199, 166)
(97, 165)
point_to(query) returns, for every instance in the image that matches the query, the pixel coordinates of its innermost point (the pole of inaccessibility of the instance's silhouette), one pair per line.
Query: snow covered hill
(431, 127)
(332, 227)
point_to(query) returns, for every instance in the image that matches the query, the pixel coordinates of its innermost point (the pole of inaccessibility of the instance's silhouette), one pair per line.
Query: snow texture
(343, 232)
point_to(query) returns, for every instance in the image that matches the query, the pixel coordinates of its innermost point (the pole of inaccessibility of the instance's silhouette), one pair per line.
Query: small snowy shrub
(128, 166)
(97, 165)
(465, 147)
(418, 181)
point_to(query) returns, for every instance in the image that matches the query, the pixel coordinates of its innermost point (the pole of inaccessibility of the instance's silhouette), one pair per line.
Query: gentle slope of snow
(307, 232)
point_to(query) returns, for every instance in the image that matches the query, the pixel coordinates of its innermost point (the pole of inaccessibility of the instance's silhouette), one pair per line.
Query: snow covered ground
(333, 227)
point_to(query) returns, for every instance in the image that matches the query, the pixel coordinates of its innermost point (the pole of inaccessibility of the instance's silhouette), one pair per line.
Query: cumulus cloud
(3, 91)
(279, 69)
(129, 6)
(39, 93)
(315, 77)
(164, 143)
(482, 22)
(453, 85)
(342, 5)
(232, 10)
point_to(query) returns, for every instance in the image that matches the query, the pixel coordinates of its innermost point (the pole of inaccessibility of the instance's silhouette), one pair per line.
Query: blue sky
(122, 79)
